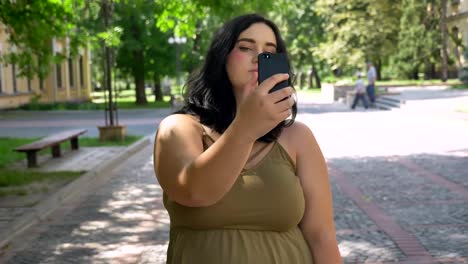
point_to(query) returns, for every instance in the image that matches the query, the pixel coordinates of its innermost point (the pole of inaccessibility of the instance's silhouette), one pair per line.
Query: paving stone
(124, 221)
(431, 214)
(368, 247)
(451, 167)
(443, 241)
(104, 226)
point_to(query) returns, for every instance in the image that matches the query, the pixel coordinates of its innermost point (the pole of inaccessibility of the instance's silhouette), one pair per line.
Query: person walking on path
(371, 78)
(243, 182)
(360, 93)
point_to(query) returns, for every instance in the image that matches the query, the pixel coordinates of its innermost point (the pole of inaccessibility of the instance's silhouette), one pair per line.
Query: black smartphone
(270, 64)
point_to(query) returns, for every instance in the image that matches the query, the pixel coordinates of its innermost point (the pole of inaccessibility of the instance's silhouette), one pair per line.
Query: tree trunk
(106, 5)
(303, 81)
(378, 70)
(318, 83)
(310, 79)
(158, 96)
(127, 83)
(443, 28)
(427, 69)
(415, 74)
(139, 76)
(297, 81)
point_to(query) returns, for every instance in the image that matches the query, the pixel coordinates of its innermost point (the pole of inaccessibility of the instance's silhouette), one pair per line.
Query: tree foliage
(419, 37)
(358, 30)
(322, 35)
(31, 27)
(303, 32)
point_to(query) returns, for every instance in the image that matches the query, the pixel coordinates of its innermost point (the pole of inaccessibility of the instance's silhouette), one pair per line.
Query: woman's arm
(317, 224)
(190, 176)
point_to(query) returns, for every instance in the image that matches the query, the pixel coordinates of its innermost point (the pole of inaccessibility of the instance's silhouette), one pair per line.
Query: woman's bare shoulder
(178, 123)
(296, 133)
(293, 138)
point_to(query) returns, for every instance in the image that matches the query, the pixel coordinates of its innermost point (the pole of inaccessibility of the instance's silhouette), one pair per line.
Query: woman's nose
(255, 57)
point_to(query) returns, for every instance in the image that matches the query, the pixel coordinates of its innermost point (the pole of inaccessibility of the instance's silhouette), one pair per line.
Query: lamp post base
(112, 133)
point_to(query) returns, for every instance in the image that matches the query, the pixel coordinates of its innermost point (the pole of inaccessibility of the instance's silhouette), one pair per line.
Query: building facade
(457, 25)
(68, 81)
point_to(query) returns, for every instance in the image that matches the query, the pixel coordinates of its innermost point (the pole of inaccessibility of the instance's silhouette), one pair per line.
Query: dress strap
(206, 136)
(255, 155)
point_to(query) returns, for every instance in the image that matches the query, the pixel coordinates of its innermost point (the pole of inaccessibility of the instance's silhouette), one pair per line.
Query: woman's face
(242, 63)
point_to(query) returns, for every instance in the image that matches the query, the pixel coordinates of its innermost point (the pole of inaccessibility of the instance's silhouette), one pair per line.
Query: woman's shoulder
(180, 118)
(296, 132)
(293, 137)
(179, 123)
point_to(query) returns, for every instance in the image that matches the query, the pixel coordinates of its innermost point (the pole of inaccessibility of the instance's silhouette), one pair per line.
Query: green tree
(198, 19)
(358, 31)
(443, 28)
(419, 37)
(135, 18)
(303, 33)
(31, 27)
(160, 60)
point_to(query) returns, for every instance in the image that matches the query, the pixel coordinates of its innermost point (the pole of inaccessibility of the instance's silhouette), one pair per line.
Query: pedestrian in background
(371, 78)
(243, 181)
(360, 92)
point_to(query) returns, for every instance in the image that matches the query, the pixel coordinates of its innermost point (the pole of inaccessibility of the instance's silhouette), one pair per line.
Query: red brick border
(441, 181)
(406, 241)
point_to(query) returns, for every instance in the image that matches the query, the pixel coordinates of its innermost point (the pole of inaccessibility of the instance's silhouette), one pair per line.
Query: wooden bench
(52, 141)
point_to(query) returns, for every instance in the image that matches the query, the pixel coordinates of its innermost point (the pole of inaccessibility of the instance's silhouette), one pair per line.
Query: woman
(241, 183)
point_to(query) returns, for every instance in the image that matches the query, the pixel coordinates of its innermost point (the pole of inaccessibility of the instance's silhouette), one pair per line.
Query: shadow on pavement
(401, 208)
(118, 222)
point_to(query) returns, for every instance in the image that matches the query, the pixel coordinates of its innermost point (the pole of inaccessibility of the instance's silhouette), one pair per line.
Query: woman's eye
(245, 48)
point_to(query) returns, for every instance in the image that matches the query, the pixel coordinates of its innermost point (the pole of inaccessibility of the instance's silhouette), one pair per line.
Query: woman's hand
(260, 111)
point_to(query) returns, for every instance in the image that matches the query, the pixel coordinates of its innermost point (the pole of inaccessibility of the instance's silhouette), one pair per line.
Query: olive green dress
(256, 222)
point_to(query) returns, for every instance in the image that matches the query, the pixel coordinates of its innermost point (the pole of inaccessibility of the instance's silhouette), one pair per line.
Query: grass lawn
(460, 86)
(15, 178)
(126, 100)
(462, 109)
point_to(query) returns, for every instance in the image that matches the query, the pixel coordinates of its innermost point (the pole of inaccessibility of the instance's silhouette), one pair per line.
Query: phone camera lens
(267, 56)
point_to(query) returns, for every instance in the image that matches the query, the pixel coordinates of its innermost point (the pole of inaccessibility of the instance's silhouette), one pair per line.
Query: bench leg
(32, 160)
(56, 151)
(74, 143)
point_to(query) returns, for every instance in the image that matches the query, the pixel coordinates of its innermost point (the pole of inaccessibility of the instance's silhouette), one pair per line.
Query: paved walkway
(400, 189)
(121, 222)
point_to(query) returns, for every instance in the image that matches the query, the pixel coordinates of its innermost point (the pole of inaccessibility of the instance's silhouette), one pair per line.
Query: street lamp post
(177, 41)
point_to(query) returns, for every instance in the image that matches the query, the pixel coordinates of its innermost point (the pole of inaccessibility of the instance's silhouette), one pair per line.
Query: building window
(81, 72)
(58, 71)
(29, 84)
(13, 73)
(41, 84)
(71, 78)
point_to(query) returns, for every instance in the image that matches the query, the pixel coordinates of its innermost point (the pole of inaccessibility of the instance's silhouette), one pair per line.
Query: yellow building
(457, 24)
(67, 81)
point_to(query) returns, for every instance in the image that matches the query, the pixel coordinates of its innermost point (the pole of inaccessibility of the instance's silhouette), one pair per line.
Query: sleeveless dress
(256, 222)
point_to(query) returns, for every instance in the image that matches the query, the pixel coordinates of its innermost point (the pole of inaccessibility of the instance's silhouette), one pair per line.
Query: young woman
(242, 182)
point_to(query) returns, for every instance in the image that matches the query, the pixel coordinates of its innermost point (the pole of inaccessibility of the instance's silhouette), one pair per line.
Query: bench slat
(51, 140)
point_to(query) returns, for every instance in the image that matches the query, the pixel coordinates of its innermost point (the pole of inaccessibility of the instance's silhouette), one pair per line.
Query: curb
(80, 187)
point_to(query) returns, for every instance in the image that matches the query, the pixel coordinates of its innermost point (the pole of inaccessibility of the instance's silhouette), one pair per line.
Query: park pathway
(399, 181)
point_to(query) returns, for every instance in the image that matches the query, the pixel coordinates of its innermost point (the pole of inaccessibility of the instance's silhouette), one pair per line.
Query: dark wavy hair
(209, 92)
